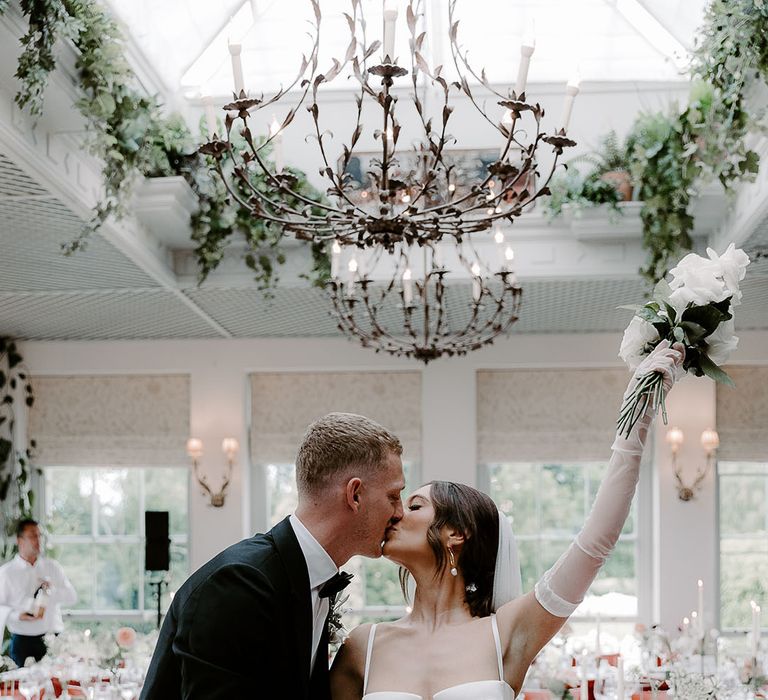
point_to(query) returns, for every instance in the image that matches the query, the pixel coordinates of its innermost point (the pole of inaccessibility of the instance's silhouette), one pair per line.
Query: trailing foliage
(579, 192)
(129, 134)
(16, 495)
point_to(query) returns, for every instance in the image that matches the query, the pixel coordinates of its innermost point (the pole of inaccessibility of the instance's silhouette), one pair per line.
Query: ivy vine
(16, 495)
(128, 132)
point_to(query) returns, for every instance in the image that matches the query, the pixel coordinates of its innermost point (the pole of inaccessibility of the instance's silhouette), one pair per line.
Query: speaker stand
(159, 595)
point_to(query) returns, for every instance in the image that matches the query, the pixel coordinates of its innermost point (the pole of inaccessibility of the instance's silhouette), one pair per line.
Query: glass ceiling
(605, 40)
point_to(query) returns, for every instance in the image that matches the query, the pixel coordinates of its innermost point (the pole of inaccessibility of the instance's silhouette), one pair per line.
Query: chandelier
(411, 194)
(418, 312)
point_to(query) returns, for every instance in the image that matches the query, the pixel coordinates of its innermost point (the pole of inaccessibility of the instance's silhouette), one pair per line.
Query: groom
(252, 622)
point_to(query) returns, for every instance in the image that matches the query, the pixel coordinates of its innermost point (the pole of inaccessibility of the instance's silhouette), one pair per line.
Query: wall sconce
(710, 441)
(229, 446)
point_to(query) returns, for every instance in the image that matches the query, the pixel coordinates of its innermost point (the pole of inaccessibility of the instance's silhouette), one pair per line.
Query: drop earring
(454, 571)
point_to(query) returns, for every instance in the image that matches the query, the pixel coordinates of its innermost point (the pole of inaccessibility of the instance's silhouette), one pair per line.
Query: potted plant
(610, 162)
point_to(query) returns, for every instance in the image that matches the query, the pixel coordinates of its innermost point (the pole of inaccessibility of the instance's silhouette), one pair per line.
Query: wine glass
(30, 686)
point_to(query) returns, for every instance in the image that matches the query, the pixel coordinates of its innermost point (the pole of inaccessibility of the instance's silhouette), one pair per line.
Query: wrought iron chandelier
(420, 311)
(412, 195)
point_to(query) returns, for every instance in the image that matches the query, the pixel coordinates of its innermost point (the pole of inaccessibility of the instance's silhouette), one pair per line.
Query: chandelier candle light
(411, 197)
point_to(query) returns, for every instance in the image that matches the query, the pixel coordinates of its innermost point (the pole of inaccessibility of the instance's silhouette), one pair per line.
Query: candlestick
(237, 67)
(620, 679)
(571, 90)
(477, 287)
(526, 51)
(210, 115)
(597, 636)
(584, 689)
(407, 287)
(390, 19)
(276, 134)
(700, 586)
(755, 628)
(335, 259)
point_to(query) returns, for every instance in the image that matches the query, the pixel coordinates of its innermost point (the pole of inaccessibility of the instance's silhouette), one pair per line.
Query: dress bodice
(474, 690)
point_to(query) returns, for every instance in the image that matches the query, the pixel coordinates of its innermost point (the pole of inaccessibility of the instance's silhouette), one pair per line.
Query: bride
(471, 635)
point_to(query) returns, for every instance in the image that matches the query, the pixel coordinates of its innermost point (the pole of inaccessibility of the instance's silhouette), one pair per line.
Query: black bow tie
(334, 585)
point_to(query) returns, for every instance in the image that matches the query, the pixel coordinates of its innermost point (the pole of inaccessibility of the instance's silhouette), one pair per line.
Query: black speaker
(157, 552)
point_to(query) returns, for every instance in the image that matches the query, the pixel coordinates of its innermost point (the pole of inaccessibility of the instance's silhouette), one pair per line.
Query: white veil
(507, 581)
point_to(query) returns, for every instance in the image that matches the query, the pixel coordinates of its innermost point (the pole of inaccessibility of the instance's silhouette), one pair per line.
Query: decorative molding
(164, 205)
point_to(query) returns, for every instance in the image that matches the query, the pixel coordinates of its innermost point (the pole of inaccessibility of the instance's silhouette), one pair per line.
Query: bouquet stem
(648, 392)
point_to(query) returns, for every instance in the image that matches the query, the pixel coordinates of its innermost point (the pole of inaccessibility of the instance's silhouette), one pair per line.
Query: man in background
(32, 589)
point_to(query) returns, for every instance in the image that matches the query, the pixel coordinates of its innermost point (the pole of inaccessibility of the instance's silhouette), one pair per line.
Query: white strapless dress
(474, 690)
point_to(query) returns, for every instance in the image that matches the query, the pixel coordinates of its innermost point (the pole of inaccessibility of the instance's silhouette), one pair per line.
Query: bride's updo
(476, 516)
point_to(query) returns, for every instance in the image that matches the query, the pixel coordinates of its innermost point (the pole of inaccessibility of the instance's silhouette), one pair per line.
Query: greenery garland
(129, 134)
(16, 495)
(670, 154)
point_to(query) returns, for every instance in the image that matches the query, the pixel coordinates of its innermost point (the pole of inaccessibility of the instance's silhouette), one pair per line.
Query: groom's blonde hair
(338, 444)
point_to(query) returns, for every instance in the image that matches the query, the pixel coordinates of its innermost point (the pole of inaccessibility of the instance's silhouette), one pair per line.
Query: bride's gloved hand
(667, 361)
(563, 587)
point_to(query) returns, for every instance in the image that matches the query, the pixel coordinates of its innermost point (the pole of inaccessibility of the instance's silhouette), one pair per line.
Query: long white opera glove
(563, 587)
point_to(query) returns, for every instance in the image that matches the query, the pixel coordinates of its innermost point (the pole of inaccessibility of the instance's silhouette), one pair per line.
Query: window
(375, 591)
(95, 519)
(743, 506)
(548, 503)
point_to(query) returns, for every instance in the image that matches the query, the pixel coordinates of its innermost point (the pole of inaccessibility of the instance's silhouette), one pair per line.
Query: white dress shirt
(321, 567)
(18, 582)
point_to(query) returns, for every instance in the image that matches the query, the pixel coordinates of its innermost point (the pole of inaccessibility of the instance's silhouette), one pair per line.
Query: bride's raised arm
(531, 621)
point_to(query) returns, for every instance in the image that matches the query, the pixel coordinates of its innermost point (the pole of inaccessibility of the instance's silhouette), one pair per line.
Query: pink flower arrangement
(125, 637)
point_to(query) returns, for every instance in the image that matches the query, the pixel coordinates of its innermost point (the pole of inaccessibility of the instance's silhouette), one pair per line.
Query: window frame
(94, 540)
(642, 535)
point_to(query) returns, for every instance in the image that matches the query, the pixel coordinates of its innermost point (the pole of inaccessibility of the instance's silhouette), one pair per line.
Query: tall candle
(477, 287)
(597, 635)
(276, 134)
(702, 628)
(210, 115)
(390, 19)
(335, 259)
(352, 268)
(620, 679)
(571, 90)
(584, 689)
(237, 67)
(407, 287)
(498, 236)
(755, 628)
(526, 51)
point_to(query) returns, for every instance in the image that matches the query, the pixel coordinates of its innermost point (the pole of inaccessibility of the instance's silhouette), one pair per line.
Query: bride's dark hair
(476, 516)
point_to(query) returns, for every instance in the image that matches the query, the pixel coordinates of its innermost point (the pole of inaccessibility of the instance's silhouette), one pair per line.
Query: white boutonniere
(337, 633)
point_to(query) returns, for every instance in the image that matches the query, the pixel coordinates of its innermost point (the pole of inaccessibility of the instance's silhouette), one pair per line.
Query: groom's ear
(352, 494)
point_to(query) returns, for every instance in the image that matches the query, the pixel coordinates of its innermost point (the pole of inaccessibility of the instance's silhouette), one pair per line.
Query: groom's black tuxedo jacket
(241, 627)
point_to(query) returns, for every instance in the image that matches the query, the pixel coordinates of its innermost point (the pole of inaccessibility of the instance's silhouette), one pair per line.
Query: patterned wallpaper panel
(111, 420)
(538, 415)
(742, 415)
(283, 404)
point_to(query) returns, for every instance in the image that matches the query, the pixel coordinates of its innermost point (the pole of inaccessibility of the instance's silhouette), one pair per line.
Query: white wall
(684, 533)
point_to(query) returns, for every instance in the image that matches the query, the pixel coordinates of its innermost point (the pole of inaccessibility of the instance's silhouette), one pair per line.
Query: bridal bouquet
(694, 309)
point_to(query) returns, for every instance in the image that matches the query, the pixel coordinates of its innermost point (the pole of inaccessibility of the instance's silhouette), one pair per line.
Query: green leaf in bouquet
(724, 306)
(693, 331)
(662, 291)
(650, 315)
(713, 371)
(671, 313)
(708, 317)
(630, 307)
(679, 333)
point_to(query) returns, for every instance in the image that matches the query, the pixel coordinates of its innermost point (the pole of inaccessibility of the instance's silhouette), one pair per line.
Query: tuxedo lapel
(295, 565)
(320, 688)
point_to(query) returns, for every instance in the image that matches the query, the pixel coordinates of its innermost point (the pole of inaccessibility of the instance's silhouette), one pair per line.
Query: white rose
(733, 268)
(638, 334)
(722, 343)
(698, 280)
